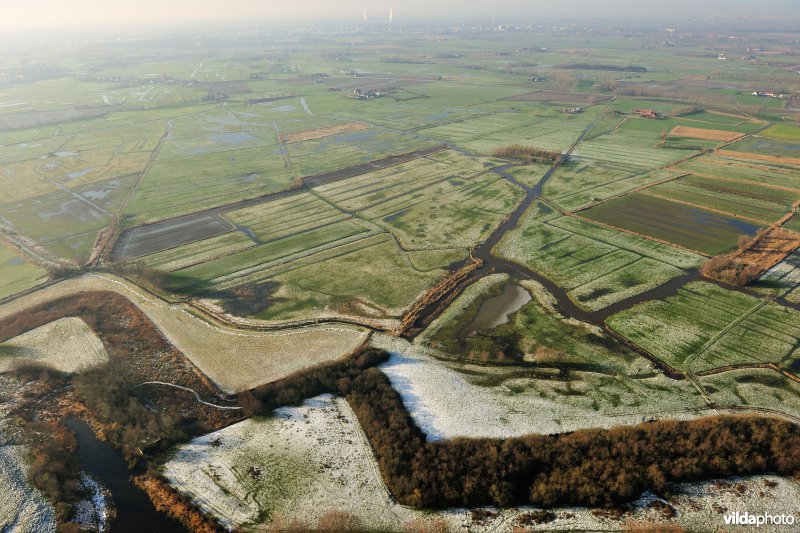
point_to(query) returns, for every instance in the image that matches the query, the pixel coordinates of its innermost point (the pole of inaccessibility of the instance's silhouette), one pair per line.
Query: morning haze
(81, 13)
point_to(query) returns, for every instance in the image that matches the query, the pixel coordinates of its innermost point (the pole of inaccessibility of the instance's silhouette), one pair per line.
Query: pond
(495, 311)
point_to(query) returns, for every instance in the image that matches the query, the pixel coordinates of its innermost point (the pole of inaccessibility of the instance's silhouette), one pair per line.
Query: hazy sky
(23, 14)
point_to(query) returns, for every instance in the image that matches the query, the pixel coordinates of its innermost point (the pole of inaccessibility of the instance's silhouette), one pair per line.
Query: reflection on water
(496, 310)
(135, 511)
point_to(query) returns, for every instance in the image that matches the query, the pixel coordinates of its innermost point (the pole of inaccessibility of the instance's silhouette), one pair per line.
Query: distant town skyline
(87, 13)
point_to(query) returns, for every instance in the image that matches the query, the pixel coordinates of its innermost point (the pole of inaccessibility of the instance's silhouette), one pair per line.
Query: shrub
(527, 153)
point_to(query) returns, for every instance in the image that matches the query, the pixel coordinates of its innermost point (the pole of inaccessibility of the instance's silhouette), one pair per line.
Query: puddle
(79, 174)
(233, 138)
(96, 195)
(496, 310)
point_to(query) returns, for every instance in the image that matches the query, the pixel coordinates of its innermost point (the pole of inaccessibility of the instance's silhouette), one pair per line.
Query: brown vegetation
(439, 295)
(703, 133)
(592, 467)
(527, 153)
(54, 467)
(588, 467)
(168, 500)
(137, 420)
(754, 256)
(339, 522)
(759, 157)
(319, 133)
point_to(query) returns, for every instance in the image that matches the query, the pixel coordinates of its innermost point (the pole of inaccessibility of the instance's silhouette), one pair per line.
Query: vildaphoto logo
(758, 520)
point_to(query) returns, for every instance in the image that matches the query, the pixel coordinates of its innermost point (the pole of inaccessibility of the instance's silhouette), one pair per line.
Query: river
(135, 511)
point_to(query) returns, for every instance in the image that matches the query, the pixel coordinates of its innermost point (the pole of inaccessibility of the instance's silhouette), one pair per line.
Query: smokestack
(391, 16)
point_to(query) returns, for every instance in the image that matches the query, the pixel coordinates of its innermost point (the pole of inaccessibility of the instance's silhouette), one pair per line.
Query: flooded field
(151, 238)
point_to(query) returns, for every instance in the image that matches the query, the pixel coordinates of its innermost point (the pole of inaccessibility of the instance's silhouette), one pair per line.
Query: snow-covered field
(67, 345)
(22, 508)
(299, 463)
(445, 403)
(234, 359)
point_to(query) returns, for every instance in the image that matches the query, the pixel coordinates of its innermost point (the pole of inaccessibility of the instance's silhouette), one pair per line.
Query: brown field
(753, 258)
(759, 157)
(702, 133)
(557, 96)
(771, 248)
(319, 133)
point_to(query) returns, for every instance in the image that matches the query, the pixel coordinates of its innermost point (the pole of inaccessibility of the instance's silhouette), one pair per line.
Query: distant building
(366, 94)
(767, 94)
(573, 111)
(652, 114)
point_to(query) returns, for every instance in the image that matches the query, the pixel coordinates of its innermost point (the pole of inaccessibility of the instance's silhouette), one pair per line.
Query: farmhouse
(362, 94)
(647, 113)
(767, 94)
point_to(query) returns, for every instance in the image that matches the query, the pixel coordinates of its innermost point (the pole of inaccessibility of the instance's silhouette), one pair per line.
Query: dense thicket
(137, 352)
(527, 153)
(332, 378)
(731, 270)
(54, 467)
(590, 467)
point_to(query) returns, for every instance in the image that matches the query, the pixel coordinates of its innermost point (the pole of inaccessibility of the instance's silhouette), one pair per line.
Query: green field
(759, 203)
(280, 196)
(788, 132)
(765, 145)
(705, 326)
(598, 266)
(16, 274)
